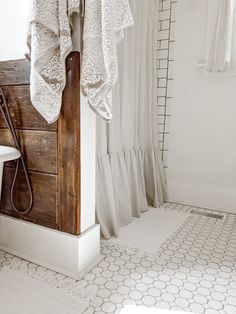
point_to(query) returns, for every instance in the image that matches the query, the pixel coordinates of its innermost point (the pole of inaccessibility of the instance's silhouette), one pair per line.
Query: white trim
(61, 252)
(88, 170)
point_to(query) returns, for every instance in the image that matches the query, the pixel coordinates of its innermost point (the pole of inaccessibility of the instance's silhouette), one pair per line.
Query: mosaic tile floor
(193, 271)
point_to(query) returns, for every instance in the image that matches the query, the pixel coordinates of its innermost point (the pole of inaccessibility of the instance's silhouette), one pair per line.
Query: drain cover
(209, 215)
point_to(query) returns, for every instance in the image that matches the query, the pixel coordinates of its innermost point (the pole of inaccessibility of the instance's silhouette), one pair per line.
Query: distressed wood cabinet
(52, 152)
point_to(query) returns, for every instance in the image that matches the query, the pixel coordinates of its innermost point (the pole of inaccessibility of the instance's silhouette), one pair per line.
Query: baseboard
(61, 252)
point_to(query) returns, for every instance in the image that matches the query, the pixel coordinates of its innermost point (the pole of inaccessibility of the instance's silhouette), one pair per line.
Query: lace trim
(104, 24)
(49, 42)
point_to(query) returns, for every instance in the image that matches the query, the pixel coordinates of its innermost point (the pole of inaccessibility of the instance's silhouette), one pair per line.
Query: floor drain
(209, 215)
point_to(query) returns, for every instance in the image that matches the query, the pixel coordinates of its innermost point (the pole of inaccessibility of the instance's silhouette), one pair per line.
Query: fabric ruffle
(139, 177)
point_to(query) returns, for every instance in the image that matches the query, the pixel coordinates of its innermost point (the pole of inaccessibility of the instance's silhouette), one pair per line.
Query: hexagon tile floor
(193, 271)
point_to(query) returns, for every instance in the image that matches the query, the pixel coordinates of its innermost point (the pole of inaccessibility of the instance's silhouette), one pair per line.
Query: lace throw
(49, 41)
(104, 23)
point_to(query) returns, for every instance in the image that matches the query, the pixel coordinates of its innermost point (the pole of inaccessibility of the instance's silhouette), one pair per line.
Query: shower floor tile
(193, 271)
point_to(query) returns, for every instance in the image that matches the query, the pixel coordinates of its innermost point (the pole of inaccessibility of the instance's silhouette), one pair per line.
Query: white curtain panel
(130, 174)
(217, 61)
(222, 53)
(233, 36)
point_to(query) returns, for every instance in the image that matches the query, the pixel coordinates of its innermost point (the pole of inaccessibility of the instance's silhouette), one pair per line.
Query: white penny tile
(141, 287)
(186, 294)
(135, 295)
(218, 296)
(214, 304)
(200, 299)
(203, 291)
(108, 307)
(111, 285)
(148, 300)
(164, 305)
(172, 289)
(197, 308)
(116, 298)
(190, 286)
(168, 297)
(211, 311)
(231, 301)
(181, 302)
(232, 292)
(229, 309)
(104, 293)
(160, 284)
(193, 271)
(154, 292)
(123, 290)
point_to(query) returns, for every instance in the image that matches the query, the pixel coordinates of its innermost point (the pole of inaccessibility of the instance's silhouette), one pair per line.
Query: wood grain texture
(15, 72)
(52, 151)
(69, 151)
(44, 191)
(38, 147)
(23, 114)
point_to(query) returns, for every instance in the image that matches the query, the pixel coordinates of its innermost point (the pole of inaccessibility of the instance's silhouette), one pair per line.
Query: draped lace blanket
(104, 22)
(49, 41)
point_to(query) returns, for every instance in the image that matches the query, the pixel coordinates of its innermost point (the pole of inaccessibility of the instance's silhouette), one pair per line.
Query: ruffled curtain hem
(139, 176)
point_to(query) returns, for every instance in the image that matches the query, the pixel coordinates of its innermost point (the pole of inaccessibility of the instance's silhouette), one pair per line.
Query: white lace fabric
(49, 41)
(104, 23)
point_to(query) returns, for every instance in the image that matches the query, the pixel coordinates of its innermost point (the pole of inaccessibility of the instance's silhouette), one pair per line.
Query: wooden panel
(44, 191)
(69, 151)
(23, 114)
(16, 72)
(52, 151)
(39, 148)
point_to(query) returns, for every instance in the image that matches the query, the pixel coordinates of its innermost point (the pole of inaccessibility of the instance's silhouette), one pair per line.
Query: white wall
(13, 21)
(202, 144)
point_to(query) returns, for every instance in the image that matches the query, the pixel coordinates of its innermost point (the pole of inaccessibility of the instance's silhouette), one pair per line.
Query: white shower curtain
(130, 174)
(222, 52)
(233, 37)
